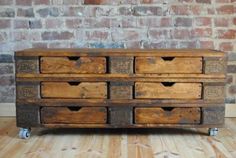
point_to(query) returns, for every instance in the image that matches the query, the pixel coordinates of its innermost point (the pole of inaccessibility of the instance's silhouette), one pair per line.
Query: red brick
(226, 9)
(7, 80)
(234, 21)
(232, 88)
(126, 35)
(221, 22)
(73, 11)
(204, 1)
(186, 1)
(39, 45)
(35, 36)
(180, 9)
(226, 46)
(196, 9)
(29, 12)
(223, 1)
(226, 34)
(188, 44)
(159, 34)
(147, 10)
(6, 2)
(128, 22)
(4, 24)
(185, 22)
(146, 1)
(181, 34)
(53, 23)
(20, 36)
(74, 23)
(229, 79)
(202, 32)
(65, 35)
(125, 11)
(94, 1)
(3, 37)
(21, 24)
(203, 21)
(71, 2)
(59, 45)
(206, 44)
(96, 23)
(24, 2)
(96, 35)
(41, 2)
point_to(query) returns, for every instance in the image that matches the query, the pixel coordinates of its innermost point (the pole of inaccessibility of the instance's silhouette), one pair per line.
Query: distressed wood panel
(27, 90)
(27, 64)
(84, 65)
(168, 90)
(213, 115)
(120, 116)
(73, 115)
(212, 92)
(121, 52)
(83, 90)
(121, 90)
(215, 65)
(121, 65)
(123, 77)
(27, 116)
(168, 65)
(167, 115)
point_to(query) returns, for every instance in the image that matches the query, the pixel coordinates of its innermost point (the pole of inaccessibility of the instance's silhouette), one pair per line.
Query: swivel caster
(24, 133)
(213, 131)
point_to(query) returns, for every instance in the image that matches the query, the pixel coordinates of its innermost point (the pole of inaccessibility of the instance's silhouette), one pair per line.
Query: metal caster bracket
(24, 133)
(213, 131)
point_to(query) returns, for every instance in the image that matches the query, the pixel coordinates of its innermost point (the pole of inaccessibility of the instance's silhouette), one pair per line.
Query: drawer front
(73, 115)
(82, 90)
(168, 115)
(168, 65)
(77, 65)
(167, 90)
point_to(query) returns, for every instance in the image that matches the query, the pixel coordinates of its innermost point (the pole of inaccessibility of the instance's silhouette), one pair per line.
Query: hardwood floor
(107, 143)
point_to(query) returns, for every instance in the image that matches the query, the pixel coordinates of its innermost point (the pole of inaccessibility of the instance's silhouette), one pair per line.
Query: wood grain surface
(167, 115)
(74, 90)
(168, 90)
(119, 143)
(216, 78)
(80, 65)
(121, 52)
(168, 65)
(73, 115)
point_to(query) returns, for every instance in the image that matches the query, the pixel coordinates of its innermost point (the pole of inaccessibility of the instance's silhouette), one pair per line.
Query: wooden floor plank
(117, 143)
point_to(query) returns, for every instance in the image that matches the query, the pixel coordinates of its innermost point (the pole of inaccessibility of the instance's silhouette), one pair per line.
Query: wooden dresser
(120, 88)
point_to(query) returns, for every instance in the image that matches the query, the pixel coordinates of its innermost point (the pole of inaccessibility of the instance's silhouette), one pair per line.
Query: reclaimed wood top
(120, 52)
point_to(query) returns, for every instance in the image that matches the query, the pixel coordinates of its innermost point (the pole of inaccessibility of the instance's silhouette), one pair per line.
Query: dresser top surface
(120, 52)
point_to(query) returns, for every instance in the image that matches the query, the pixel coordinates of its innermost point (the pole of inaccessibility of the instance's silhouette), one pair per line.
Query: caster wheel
(24, 133)
(213, 131)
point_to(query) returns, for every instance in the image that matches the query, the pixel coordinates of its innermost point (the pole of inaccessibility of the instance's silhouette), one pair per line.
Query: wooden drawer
(83, 90)
(73, 115)
(167, 115)
(168, 90)
(168, 65)
(77, 65)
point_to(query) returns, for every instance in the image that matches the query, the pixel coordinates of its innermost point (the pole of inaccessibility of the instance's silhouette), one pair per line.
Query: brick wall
(115, 24)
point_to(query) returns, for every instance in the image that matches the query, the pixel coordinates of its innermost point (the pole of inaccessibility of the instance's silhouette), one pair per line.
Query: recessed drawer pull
(167, 58)
(168, 84)
(73, 83)
(168, 108)
(74, 108)
(73, 58)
